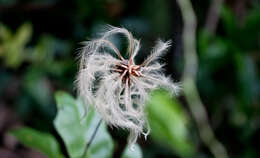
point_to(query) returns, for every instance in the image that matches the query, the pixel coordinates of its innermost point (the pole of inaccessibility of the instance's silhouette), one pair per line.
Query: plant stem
(213, 15)
(91, 139)
(189, 77)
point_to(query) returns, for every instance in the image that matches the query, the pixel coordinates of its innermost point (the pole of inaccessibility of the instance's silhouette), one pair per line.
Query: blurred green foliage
(43, 142)
(129, 153)
(169, 123)
(38, 55)
(13, 44)
(229, 78)
(75, 130)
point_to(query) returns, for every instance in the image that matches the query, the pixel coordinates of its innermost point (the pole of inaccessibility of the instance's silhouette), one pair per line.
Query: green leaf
(23, 34)
(76, 132)
(43, 142)
(169, 123)
(5, 33)
(135, 153)
(212, 47)
(248, 82)
(13, 48)
(229, 21)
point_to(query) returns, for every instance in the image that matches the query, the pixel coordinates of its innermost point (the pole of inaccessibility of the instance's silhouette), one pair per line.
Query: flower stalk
(91, 139)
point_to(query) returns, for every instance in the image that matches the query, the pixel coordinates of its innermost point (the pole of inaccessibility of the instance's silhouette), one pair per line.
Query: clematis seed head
(116, 86)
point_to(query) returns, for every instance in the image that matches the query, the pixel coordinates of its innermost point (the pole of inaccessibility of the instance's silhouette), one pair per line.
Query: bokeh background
(39, 41)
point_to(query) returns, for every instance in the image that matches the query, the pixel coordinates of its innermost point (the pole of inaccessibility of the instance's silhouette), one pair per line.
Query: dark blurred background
(39, 41)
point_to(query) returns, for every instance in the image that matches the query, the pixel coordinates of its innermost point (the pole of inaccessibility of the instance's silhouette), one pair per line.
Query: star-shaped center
(126, 69)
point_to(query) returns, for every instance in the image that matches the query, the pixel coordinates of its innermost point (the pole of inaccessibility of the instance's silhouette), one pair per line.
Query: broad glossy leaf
(76, 131)
(135, 153)
(168, 123)
(43, 142)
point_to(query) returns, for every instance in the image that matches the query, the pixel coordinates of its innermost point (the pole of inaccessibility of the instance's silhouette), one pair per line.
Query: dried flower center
(126, 69)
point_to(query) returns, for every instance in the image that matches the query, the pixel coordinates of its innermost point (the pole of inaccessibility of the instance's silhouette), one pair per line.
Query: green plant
(75, 132)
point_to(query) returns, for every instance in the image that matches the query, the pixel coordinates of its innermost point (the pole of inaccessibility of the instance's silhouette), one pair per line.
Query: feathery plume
(117, 87)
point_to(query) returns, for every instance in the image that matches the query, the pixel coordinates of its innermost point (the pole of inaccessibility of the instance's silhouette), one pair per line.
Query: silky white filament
(117, 87)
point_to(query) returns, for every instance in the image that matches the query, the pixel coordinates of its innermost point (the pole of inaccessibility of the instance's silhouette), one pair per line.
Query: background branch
(213, 15)
(189, 77)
